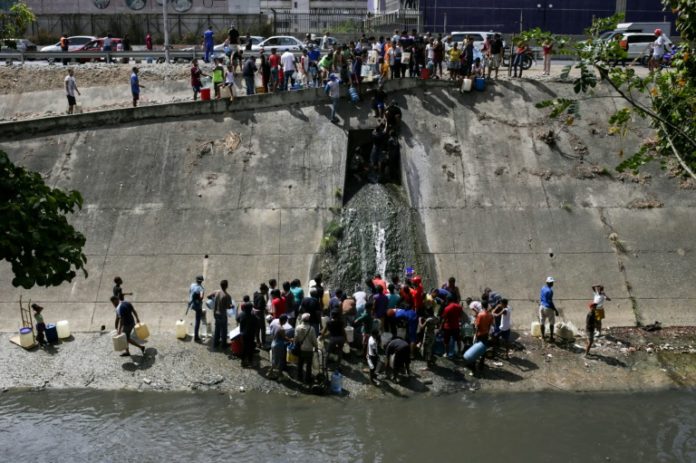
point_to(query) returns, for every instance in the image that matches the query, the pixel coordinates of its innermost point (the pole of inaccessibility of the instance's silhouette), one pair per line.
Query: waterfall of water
(380, 234)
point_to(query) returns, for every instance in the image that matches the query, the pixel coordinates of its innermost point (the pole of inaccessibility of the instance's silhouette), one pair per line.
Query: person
(365, 323)
(438, 56)
(218, 76)
(248, 71)
(278, 304)
(454, 54)
(381, 304)
(279, 340)
(504, 311)
(221, 303)
(333, 90)
(260, 300)
(547, 309)
(135, 86)
(451, 320)
(599, 297)
(325, 66)
(659, 47)
(410, 316)
(291, 305)
(547, 47)
(148, 42)
(208, 43)
(297, 293)
(70, 90)
(496, 55)
(65, 47)
(452, 288)
(248, 327)
(518, 59)
(379, 99)
(287, 60)
(373, 354)
(106, 45)
(335, 329)
(265, 70)
(393, 117)
(467, 57)
(307, 339)
(118, 290)
(348, 310)
(196, 74)
(196, 292)
(477, 69)
(233, 35)
(126, 314)
(126, 45)
(274, 63)
(310, 305)
(398, 357)
(482, 325)
(40, 325)
(428, 325)
(590, 325)
(248, 43)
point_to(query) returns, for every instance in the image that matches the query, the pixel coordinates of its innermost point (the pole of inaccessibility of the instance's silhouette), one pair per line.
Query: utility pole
(166, 30)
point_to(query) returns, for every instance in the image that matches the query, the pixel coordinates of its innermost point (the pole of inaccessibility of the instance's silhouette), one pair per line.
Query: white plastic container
(26, 337)
(120, 342)
(63, 328)
(141, 331)
(181, 329)
(536, 329)
(466, 85)
(350, 332)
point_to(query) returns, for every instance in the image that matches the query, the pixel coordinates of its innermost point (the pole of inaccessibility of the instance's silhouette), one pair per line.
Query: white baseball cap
(549, 279)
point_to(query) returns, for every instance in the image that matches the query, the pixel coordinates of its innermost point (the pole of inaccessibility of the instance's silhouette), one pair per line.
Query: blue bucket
(51, 333)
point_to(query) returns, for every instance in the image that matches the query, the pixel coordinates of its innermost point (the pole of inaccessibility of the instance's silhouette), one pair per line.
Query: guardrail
(114, 55)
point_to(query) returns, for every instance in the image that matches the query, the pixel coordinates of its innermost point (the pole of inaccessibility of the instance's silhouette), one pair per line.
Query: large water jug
(181, 331)
(336, 383)
(466, 85)
(480, 84)
(141, 331)
(474, 352)
(536, 329)
(349, 334)
(120, 342)
(26, 337)
(63, 329)
(51, 333)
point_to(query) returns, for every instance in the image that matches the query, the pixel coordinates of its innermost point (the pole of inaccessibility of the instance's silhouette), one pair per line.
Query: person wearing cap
(307, 339)
(195, 303)
(333, 90)
(547, 309)
(135, 86)
(659, 47)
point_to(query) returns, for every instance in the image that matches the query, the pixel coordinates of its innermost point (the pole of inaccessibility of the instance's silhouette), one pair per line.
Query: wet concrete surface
(621, 361)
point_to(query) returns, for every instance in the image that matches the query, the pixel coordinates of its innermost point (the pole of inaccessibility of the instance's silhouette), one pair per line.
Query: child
(373, 354)
(229, 80)
(590, 324)
(478, 68)
(40, 325)
(428, 325)
(599, 298)
(218, 77)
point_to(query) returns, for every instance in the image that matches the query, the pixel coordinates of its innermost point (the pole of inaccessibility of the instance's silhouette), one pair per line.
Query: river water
(93, 426)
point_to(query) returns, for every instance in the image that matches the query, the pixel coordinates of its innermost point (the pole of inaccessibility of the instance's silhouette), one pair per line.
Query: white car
(639, 43)
(74, 43)
(479, 38)
(280, 42)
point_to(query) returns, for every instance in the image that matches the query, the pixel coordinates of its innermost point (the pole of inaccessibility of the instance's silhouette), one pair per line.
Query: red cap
(658, 31)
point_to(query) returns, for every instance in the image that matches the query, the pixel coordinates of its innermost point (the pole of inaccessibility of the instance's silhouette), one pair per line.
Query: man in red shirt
(483, 323)
(452, 317)
(417, 294)
(278, 304)
(196, 74)
(274, 63)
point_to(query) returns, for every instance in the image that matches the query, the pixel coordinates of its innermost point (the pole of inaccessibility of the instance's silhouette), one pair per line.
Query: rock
(241, 389)
(649, 350)
(147, 380)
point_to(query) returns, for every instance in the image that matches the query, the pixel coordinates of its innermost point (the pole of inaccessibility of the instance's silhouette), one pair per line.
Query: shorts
(196, 88)
(71, 100)
(453, 65)
(495, 61)
(274, 74)
(599, 314)
(590, 335)
(546, 313)
(127, 330)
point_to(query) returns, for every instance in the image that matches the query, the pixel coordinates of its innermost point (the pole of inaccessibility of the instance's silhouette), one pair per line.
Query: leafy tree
(667, 97)
(35, 236)
(15, 22)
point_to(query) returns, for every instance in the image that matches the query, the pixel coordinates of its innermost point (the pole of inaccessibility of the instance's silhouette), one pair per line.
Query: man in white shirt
(659, 48)
(503, 310)
(287, 60)
(70, 89)
(333, 90)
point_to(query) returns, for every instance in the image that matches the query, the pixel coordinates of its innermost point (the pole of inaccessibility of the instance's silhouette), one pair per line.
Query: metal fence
(335, 21)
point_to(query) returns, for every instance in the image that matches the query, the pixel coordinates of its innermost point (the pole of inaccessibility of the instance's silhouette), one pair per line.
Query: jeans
(334, 105)
(287, 78)
(208, 53)
(249, 81)
(220, 338)
(306, 358)
(199, 312)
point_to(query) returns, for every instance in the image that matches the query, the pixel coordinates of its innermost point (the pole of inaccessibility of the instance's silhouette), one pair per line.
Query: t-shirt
(381, 305)
(484, 320)
(118, 292)
(599, 300)
(546, 297)
(497, 46)
(70, 85)
(274, 61)
(659, 46)
(218, 74)
(288, 61)
(452, 316)
(38, 317)
(125, 313)
(298, 294)
(372, 347)
(505, 319)
(208, 38)
(135, 84)
(311, 306)
(335, 328)
(279, 307)
(196, 76)
(360, 298)
(394, 300)
(454, 54)
(195, 293)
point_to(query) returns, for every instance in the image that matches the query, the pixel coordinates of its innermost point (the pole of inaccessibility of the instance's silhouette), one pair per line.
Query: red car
(97, 45)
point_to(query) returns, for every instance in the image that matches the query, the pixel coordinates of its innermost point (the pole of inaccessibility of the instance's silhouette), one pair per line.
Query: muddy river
(92, 426)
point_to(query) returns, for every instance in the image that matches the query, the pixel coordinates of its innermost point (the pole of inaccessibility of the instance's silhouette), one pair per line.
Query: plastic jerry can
(120, 342)
(466, 85)
(480, 84)
(536, 329)
(181, 329)
(63, 329)
(141, 331)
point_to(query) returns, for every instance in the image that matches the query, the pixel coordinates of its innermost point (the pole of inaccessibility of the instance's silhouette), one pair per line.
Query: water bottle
(336, 382)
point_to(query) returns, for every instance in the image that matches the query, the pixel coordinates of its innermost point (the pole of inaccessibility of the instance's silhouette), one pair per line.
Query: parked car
(479, 37)
(74, 43)
(22, 45)
(98, 45)
(280, 42)
(639, 43)
(326, 43)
